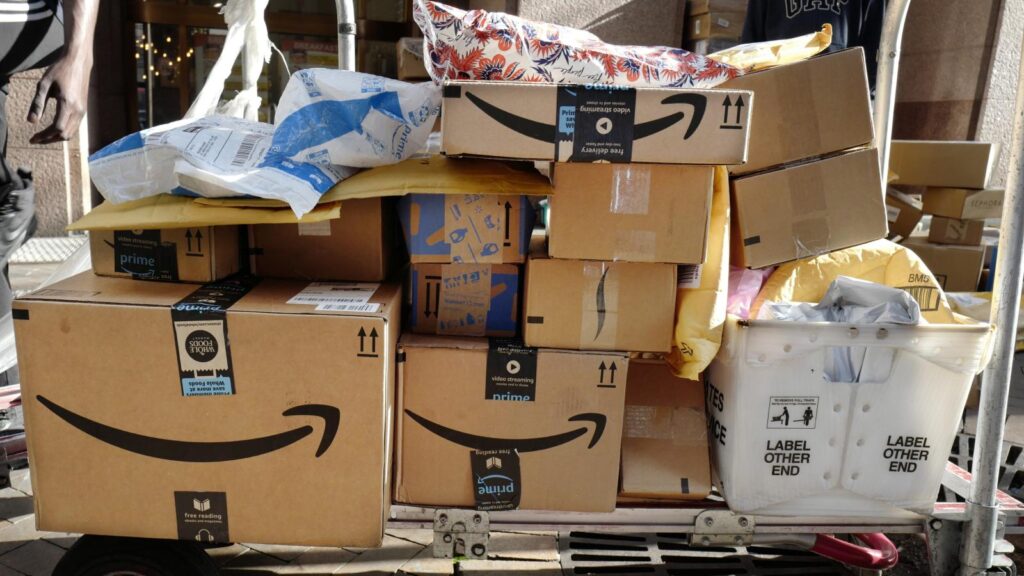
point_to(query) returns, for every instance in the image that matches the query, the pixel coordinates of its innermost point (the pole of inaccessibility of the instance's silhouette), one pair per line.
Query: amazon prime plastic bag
(330, 123)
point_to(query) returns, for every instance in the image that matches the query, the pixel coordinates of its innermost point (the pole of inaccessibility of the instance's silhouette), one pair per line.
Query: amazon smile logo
(481, 443)
(547, 132)
(184, 451)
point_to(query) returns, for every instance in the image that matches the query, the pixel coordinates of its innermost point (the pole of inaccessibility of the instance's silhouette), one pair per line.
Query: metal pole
(346, 34)
(980, 536)
(885, 79)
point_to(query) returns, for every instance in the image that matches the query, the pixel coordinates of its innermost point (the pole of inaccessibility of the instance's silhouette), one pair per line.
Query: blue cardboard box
(465, 299)
(466, 228)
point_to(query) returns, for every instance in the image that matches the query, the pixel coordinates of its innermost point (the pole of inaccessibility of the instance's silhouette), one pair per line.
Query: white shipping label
(336, 293)
(892, 213)
(315, 228)
(364, 308)
(689, 275)
(723, 23)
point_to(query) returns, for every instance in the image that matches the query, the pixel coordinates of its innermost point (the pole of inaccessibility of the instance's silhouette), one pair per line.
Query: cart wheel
(107, 556)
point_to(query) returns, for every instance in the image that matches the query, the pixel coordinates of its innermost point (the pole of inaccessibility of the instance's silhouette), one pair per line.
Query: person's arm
(753, 25)
(67, 80)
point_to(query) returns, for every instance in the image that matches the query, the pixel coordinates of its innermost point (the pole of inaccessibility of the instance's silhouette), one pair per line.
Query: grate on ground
(47, 250)
(670, 554)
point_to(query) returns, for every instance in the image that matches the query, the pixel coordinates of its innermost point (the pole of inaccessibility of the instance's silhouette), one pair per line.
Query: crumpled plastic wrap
(330, 122)
(762, 55)
(479, 45)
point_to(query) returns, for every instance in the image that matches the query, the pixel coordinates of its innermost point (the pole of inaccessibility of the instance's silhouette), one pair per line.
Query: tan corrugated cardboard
(796, 116)
(464, 299)
(956, 268)
(561, 410)
(569, 123)
(664, 436)
(952, 231)
(409, 52)
(200, 254)
(964, 203)
(949, 164)
(695, 7)
(287, 433)
(357, 246)
(587, 305)
(630, 212)
(903, 212)
(807, 209)
(715, 25)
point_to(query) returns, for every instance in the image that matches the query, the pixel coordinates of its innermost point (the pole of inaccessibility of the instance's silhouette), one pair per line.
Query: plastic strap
(879, 553)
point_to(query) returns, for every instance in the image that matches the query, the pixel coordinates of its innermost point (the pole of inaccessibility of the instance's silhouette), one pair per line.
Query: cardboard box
(949, 164)
(495, 425)
(152, 411)
(175, 255)
(356, 246)
(715, 25)
(795, 117)
(585, 305)
(695, 7)
(963, 203)
(470, 228)
(464, 299)
(630, 212)
(807, 209)
(664, 436)
(952, 231)
(410, 60)
(570, 123)
(956, 268)
(903, 212)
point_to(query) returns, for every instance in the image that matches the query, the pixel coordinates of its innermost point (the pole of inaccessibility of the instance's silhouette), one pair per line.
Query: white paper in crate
(330, 122)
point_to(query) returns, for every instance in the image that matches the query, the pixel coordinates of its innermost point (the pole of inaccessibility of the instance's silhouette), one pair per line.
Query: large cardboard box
(151, 421)
(630, 212)
(495, 425)
(952, 231)
(807, 209)
(174, 255)
(903, 212)
(468, 228)
(464, 299)
(963, 203)
(571, 123)
(715, 25)
(664, 436)
(795, 117)
(948, 164)
(956, 268)
(356, 247)
(585, 305)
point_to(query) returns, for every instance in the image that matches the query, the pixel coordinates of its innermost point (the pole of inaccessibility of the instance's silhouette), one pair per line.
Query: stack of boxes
(811, 183)
(951, 180)
(713, 25)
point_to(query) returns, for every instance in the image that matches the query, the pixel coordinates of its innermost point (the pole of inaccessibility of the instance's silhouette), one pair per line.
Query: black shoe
(17, 215)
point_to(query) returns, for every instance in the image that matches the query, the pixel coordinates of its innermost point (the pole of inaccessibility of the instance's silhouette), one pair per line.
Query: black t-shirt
(854, 23)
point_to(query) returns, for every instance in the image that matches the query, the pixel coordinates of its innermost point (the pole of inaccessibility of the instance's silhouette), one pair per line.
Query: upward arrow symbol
(602, 368)
(739, 107)
(725, 113)
(612, 370)
(188, 238)
(373, 340)
(362, 338)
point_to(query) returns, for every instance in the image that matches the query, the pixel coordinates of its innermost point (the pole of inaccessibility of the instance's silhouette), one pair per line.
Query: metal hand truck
(964, 538)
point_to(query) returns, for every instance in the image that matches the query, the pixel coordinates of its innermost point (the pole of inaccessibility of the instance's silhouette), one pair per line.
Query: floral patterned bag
(479, 45)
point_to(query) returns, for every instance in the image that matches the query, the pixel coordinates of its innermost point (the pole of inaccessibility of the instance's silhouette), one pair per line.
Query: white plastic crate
(786, 441)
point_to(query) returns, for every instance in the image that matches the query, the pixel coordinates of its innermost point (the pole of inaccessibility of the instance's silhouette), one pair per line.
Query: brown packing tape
(474, 227)
(810, 231)
(683, 425)
(599, 320)
(465, 299)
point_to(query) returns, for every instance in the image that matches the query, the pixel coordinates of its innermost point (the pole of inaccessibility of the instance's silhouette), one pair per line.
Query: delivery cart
(964, 535)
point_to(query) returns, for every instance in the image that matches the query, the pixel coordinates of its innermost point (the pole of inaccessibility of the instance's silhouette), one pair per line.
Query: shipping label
(339, 297)
(465, 299)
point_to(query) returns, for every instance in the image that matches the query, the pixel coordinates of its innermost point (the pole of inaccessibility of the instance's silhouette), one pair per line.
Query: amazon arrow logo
(182, 451)
(547, 132)
(518, 444)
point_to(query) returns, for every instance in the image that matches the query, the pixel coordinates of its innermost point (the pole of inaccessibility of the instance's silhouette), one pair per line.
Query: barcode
(245, 149)
(367, 308)
(327, 300)
(689, 276)
(927, 297)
